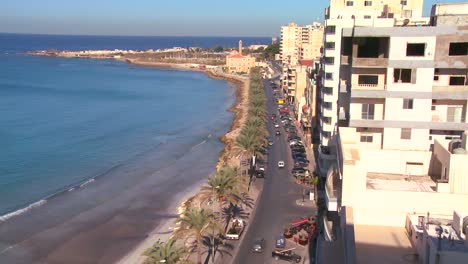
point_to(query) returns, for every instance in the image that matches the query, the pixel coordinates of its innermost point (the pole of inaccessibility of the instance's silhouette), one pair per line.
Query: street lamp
(213, 234)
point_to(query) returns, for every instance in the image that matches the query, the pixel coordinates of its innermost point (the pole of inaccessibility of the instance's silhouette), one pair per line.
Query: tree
(271, 50)
(195, 223)
(225, 185)
(218, 49)
(167, 252)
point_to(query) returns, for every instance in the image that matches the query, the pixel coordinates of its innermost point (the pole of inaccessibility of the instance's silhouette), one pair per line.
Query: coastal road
(277, 204)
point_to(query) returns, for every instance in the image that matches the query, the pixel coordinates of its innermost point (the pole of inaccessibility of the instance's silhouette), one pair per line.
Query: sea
(95, 147)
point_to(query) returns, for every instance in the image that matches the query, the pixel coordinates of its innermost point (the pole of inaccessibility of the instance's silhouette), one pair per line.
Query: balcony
(328, 112)
(330, 37)
(372, 87)
(331, 199)
(329, 83)
(328, 98)
(345, 60)
(453, 119)
(450, 88)
(370, 62)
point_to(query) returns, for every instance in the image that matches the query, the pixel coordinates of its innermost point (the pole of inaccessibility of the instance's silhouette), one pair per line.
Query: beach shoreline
(163, 231)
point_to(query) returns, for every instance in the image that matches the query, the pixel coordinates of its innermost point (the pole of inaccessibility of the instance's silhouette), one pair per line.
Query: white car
(280, 164)
(276, 125)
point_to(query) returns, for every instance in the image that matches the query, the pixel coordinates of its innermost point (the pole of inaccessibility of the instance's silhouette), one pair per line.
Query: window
(330, 45)
(368, 138)
(349, 3)
(406, 133)
(403, 2)
(415, 49)
(407, 103)
(329, 76)
(370, 80)
(330, 29)
(367, 111)
(436, 77)
(367, 17)
(433, 107)
(329, 60)
(367, 3)
(457, 80)
(458, 49)
(402, 76)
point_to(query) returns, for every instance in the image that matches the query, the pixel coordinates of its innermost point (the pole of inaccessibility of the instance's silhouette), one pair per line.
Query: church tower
(240, 47)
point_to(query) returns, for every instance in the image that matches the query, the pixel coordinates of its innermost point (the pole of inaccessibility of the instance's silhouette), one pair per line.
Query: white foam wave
(86, 182)
(5, 217)
(199, 144)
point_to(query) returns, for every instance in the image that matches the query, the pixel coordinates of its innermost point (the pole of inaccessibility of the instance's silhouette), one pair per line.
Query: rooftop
(399, 182)
(449, 240)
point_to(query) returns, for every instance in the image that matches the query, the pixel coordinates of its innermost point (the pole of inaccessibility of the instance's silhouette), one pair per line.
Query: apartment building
(393, 105)
(300, 43)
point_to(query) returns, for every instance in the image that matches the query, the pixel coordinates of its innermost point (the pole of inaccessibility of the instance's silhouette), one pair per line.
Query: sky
(161, 17)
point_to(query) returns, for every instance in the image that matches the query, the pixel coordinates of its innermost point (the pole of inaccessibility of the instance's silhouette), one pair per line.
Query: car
(287, 255)
(273, 117)
(260, 174)
(258, 245)
(280, 164)
(276, 125)
(270, 142)
(280, 241)
(277, 133)
(299, 156)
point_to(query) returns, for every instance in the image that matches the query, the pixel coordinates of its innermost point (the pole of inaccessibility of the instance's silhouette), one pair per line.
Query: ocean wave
(86, 182)
(5, 217)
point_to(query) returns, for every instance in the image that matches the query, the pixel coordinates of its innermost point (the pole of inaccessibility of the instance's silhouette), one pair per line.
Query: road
(277, 204)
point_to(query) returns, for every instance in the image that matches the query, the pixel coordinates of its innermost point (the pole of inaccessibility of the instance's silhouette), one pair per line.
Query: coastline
(163, 231)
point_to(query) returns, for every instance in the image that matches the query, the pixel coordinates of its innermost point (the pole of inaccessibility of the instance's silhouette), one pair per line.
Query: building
(238, 63)
(439, 238)
(300, 43)
(393, 106)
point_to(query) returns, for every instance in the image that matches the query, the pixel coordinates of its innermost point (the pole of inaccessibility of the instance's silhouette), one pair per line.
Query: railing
(370, 62)
(368, 86)
(367, 116)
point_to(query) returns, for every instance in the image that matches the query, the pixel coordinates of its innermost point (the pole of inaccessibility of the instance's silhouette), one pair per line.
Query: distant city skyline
(161, 18)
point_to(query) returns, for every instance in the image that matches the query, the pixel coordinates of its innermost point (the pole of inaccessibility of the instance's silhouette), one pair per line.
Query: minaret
(240, 47)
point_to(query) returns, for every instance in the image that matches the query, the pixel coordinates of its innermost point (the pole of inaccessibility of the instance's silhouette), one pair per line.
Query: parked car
(299, 157)
(280, 164)
(258, 245)
(273, 116)
(287, 255)
(280, 241)
(297, 142)
(260, 174)
(276, 125)
(270, 142)
(277, 132)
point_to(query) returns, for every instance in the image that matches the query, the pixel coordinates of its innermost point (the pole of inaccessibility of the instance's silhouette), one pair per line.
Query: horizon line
(110, 35)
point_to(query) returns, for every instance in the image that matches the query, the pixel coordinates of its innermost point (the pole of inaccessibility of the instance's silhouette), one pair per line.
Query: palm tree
(225, 185)
(194, 224)
(167, 252)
